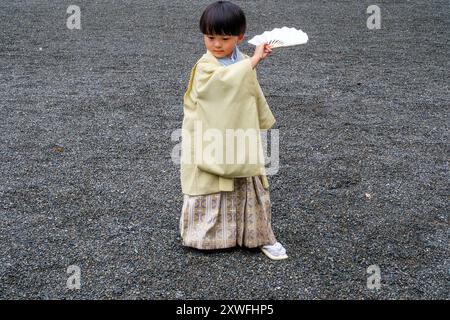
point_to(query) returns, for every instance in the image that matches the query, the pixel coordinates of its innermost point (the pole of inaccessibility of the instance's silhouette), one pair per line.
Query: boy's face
(222, 46)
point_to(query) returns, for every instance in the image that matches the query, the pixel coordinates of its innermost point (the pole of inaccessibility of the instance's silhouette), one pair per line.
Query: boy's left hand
(266, 51)
(261, 52)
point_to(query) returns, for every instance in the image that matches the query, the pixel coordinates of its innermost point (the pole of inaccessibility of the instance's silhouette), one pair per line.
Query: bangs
(223, 18)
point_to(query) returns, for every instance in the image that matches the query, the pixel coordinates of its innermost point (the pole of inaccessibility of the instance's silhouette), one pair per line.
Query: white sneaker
(275, 251)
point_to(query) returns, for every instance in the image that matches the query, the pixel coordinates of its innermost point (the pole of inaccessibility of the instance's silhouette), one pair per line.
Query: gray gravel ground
(87, 177)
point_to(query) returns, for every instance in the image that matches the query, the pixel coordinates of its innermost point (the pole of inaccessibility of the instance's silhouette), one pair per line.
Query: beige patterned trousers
(228, 218)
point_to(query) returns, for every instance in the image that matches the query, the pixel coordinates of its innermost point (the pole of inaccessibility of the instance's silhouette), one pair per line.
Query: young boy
(225, 204)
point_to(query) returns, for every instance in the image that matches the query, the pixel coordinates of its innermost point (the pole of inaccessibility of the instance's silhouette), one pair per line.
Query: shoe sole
(271, 256)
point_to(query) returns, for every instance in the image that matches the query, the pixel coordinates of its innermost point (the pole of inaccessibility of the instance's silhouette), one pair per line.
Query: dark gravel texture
(87, 177)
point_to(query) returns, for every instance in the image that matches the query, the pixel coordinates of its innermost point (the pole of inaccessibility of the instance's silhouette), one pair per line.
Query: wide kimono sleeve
(266, 118)
(231, 98)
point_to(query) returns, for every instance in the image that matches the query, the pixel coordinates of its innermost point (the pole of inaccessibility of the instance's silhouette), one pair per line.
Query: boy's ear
(241, 38)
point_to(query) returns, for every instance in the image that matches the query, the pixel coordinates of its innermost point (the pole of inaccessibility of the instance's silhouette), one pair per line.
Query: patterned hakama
(226, 219)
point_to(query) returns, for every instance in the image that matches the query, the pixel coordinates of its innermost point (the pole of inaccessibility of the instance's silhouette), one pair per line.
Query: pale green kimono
(220, 98)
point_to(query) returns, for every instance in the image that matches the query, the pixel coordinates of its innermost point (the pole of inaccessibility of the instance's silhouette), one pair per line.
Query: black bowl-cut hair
(223, 18)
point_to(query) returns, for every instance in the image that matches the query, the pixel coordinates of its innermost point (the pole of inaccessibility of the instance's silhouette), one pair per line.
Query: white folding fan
(280, 37)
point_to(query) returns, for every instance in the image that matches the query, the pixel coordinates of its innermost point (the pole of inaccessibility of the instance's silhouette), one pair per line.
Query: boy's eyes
(225, 39)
